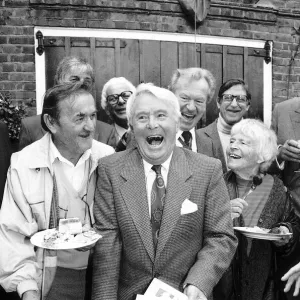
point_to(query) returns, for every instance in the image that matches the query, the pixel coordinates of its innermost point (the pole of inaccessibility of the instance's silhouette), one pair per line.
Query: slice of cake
(71, 225)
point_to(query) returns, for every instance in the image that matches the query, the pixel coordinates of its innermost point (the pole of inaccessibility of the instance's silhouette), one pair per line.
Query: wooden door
(154, 61)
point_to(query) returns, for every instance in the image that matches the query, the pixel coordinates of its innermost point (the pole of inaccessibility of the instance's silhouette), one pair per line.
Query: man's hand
(237, 206)
(292, 276)
(290, 151)
(31, 295)
(194, 293)
(284, 240)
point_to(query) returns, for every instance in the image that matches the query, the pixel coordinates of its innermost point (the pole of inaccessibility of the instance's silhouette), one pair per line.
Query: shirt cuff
(280, 166)
(27, 285)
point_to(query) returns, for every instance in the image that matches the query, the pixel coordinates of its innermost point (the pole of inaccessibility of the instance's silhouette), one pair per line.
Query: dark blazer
(31, 131)
(209, 143)
(5, 153)
(194, 248)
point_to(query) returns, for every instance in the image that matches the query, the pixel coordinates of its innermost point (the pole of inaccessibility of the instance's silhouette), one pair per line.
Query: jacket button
(156, 275)
(246, 282)
(260, 220)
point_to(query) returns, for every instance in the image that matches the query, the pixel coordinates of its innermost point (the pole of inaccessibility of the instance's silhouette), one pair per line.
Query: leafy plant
(12, 115)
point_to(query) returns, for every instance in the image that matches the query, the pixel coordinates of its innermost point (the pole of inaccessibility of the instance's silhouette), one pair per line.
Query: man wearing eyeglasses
(233, 102)
(115, 94)
(193, 87)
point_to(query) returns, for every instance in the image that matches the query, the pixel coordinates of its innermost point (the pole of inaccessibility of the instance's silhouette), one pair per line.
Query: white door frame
(155, 36)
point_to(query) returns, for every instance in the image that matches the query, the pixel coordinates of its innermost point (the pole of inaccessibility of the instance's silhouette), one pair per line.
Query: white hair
(160, 93)
(112, 81)
(265, 140)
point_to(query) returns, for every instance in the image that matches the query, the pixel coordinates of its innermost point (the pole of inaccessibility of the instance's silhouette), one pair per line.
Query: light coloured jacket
(26, 210)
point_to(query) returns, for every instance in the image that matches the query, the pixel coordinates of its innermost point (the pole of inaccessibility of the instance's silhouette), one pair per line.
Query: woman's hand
(292, 276)
(281, 230)
(237, 207)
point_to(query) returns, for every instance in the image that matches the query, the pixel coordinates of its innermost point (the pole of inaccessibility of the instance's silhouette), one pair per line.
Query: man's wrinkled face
(78, 74)
(118, 110)
(73, 133)
(154, 125)
(232, 112)
(192, 96)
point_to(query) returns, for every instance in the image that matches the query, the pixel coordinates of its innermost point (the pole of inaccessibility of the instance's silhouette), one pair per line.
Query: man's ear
(50, 123)
(218, 102)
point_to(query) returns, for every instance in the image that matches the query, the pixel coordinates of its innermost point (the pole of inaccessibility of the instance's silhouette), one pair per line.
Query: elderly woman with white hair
(115, 94)
(257, 199)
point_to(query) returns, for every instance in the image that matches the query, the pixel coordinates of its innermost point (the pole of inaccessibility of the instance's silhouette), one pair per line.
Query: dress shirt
(192, 131)
(119, 131)
(150, 176)
(75, 174)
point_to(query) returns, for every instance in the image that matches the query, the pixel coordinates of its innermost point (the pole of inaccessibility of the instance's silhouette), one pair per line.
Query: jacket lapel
(295, 119)
(178, 189)
(135, 196)
(212, 132)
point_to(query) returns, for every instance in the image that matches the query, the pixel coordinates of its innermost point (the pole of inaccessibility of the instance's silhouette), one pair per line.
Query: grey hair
(67, 64)
(264, 137)
(112, 81)
(194, 74)
(159, 93)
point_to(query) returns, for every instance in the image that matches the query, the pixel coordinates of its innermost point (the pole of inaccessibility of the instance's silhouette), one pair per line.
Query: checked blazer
(194, 248)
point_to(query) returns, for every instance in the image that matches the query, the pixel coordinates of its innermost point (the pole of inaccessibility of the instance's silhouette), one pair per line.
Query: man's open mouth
(188, 116)
(154, 140)
(234, 156)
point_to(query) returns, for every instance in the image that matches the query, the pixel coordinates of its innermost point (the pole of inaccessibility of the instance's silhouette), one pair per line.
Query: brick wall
(236, 18)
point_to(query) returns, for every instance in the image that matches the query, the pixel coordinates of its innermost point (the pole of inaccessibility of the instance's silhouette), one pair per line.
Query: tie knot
(157, 169)
(187, 136)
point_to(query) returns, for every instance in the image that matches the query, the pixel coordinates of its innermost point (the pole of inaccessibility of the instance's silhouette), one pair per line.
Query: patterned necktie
(187, 136)
(158, 195)
(121, 145)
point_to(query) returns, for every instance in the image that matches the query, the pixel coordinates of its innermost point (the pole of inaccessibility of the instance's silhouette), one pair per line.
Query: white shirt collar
(193, 132)
(165, 165)
(54, 153)
(120, 130)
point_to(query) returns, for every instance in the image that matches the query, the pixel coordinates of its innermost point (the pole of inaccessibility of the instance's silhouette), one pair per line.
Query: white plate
(38, 240)
(254, 234)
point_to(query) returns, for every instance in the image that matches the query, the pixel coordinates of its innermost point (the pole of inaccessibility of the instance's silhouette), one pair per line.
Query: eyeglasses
(114, 98)
(240, 99)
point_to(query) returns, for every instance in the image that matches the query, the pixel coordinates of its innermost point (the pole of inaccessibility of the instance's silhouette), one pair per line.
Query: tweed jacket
(209, 143)
(5, 152)
(32, 130)
(26, 210)
(247, 285)
(194, 248)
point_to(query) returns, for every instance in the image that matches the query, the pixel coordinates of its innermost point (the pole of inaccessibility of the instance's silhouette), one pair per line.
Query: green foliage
(12, 115)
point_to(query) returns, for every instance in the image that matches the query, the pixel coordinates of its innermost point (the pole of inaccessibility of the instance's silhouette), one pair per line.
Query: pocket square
(188, 207)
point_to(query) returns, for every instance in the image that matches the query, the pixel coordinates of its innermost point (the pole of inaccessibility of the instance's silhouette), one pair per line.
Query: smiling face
(73, 133)
(242, 156)
(192, 96)
(154, 126)
(118, 111)
(233, 112)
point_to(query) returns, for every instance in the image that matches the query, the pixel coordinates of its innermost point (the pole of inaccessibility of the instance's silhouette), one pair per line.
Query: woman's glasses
(240, 99)
(114, 98)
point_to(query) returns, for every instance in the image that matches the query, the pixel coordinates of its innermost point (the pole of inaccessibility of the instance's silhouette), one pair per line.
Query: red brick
(21, 40)
(22, 58)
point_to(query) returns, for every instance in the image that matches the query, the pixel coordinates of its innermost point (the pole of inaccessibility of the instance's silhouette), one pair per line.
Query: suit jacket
(5, 153)
(32, 130)
(194, 248)
(286, 124)
(209, 143)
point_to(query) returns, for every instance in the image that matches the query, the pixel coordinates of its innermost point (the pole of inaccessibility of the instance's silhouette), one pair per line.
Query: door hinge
(267, 47)
(40, 38)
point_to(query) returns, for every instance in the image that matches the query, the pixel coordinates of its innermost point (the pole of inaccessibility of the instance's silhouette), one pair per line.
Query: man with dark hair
(70, 70)
(233, 102)
(51, 179)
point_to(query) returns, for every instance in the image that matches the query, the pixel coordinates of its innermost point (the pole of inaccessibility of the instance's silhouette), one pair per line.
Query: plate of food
(261, 233)
(69, 235)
